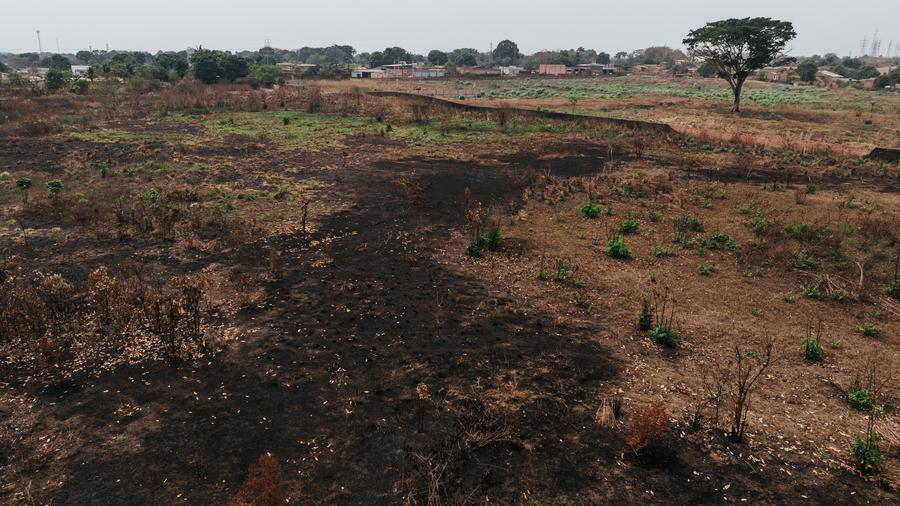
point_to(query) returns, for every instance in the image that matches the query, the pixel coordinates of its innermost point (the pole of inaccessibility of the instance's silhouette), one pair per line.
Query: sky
(822, 26)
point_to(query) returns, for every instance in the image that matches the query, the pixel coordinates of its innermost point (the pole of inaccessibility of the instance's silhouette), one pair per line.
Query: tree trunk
(737, 95)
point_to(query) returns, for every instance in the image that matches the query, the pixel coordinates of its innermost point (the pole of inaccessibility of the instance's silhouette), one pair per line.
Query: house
(830, 79)
(592, 69)
(479, 71)
(400, 70)
(367, 74)
(80, 70)
(552, 69)
(649, 69)
(512, 70)
(296, 70)
(778, 74)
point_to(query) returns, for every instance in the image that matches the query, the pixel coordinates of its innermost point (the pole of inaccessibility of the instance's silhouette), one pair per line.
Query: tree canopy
(57, 62)
(436, 57)
(506, 53)
(210, 66)
(738, 47)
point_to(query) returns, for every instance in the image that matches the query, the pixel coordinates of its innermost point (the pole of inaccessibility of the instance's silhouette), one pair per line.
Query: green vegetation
(870, 330)
(489, 241)
(590, 211)
(645, 317)
(664, 335)
(812, 349)
(860, 398)
(866, 453)
(706, 270)
(54, 187)
(662, 252)
(616, 248)
(627, 227)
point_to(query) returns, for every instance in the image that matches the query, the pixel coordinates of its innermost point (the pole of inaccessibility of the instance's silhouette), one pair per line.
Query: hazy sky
(420, 25)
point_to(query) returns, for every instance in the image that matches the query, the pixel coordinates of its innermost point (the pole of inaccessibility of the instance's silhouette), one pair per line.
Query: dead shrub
(263, 486)
(313, 99)
(649, 427)
(609, 412)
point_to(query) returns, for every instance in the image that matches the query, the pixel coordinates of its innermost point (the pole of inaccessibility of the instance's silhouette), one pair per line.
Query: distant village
(269, 66)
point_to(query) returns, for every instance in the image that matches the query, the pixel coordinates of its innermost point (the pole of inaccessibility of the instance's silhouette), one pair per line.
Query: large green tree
(807, 71)
(437, 57)
(738, 47)
(506, 53)
(57, 62)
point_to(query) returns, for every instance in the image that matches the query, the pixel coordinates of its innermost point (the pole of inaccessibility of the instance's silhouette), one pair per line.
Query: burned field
(318, 296)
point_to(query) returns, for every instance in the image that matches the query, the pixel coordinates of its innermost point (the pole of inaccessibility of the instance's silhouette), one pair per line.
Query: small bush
(866, 453)
(627, 227)
(664, 335)
(660, 252)
(645, 317)
(590, 211)
(654, 216)
(54, 187)
(706, 270)
(812, 349)
(489, 241)
(561, 270)
(759, 223)
(860, 398)
(616, 248)
(719, 240)
(688, 223)
(804, 261)
(649, 427)
(869, 330)
(814, 290)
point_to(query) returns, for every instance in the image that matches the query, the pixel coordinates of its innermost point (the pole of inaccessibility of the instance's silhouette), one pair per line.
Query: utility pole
(862, 47)
(57, 46)
(40, 46)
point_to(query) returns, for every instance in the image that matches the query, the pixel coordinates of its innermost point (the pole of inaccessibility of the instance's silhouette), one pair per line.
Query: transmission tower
(40, 46)
(876, 44)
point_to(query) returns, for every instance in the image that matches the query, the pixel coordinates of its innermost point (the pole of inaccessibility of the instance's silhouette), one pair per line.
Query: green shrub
(706, 270)
(664, 335)
(150, 196)
(628, 227)
(23, 184)
(645, 317)
(654, 216)
(893, 288)
(866, 454)
(688, 223)
(616, 248)
(489, 241)
(561, 270)
(660, 252)
(804, 261)
(860, 398)
(718, 240)
(812, 349)
(869, 330)
(493, 239)
(814, 290)
(54, 187)
(590, 211)
(759, 223)
(811, 188)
